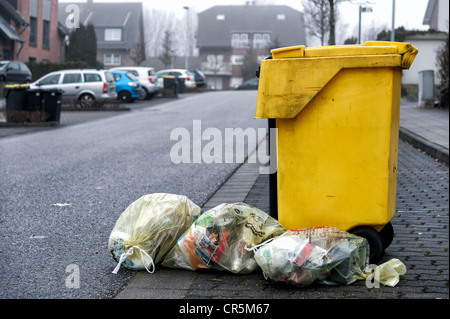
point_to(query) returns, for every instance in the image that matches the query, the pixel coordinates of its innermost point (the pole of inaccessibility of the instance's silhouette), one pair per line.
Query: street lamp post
(393, 21)
(187, 38)
(362, 9)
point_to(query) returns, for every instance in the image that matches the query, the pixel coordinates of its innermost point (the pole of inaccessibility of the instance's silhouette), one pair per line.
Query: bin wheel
(387, 233)
(86, 100)
(375, 242)
(125, 96)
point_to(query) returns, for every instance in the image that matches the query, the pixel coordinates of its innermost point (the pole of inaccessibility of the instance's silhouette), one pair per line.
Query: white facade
(428, 46)
(442, 21)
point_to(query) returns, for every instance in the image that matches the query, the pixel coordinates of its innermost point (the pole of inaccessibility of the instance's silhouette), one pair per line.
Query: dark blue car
(127, 86)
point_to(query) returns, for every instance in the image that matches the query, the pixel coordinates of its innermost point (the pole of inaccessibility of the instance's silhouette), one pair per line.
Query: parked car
(127, 86)
(85, 85)
(251, 84)
(200, 78)
(183, 75)
(147, 78)
(14, 71)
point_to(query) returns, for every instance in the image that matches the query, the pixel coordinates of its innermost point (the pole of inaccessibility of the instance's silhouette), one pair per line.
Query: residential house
(118, 27)
(29, 31)
(436, 16)
(428, 45)
(229, 35)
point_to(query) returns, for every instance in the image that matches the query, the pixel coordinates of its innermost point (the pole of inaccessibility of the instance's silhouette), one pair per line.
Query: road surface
(63, 189)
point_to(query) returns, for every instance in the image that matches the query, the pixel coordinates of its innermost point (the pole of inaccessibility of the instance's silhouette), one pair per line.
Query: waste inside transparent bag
(219, 237)
(148, 228)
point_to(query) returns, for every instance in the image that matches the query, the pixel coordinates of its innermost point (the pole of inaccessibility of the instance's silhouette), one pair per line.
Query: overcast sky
(408, 13)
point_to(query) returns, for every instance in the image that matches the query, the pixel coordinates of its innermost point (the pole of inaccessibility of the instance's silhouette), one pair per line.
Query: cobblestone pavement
(420, 242)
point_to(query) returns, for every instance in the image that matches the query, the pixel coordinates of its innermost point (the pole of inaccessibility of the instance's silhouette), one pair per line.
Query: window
(51, 79)
(132, 76)
(281, 17)
(235, 40)
(33, 21)
(261, 40)
(239, 40)
(244, 40)
(220, 17)
(34, 8)
(92, 77)
(117, 76)
(46, 24)
(109, 77)
(72, 78)
(13, 66)
(113, 34)
(111, 59)
(23, 67)
(237, 59)
(215, 62)
(33, 27)
(46, 35)
(47, 10)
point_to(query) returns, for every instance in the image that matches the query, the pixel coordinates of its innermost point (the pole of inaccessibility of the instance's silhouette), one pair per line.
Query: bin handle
(406, 50)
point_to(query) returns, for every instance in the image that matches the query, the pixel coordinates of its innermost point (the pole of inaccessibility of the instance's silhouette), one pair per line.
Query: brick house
(29, 31)
(228, 35)
(119, 29)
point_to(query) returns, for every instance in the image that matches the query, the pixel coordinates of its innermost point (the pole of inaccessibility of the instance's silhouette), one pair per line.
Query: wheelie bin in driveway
(336, 110)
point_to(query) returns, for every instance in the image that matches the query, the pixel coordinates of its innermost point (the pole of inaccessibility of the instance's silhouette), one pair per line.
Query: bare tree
(157, 21)
(332, 20)
(167, 49)
(321, 17)
(317, 15)
(136, 54)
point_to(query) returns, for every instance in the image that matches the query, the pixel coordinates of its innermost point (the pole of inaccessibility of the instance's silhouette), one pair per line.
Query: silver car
(85, 85)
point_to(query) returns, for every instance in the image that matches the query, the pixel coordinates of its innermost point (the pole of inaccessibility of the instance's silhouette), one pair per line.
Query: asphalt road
(62, 190)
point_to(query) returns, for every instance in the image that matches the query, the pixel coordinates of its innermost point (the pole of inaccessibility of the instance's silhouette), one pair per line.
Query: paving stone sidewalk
(420, 242)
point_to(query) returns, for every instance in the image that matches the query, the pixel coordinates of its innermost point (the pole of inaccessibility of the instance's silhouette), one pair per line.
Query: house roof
(437, 36)
(216, 24)
(9, 12)
(127, 16)
(429, 12)
(8, 31)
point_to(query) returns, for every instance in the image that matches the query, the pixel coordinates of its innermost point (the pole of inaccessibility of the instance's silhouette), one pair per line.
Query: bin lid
(368, 48)
(295, 75)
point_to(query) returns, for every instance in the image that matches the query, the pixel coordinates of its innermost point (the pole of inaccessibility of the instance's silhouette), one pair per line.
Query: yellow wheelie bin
(336, 110)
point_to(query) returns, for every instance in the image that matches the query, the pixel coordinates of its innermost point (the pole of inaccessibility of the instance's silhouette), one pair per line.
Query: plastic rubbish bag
(326, 254)
(389, 272)
(149, 228)
(219, 237)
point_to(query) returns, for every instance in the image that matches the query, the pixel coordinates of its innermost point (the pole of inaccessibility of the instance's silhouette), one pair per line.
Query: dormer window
(113, 34)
